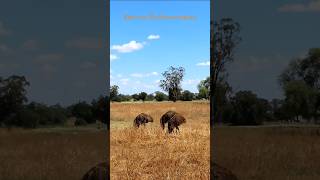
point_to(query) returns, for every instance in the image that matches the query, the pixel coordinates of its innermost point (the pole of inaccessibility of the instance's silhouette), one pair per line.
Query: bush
(83, 110)
(24, 118)
(247, 109)
(80, 122)
(187, 95)
(160, 96)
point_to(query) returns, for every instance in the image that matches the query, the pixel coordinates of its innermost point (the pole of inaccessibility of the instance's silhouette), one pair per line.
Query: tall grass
(265, 153)
(50, 155)
(149, 152)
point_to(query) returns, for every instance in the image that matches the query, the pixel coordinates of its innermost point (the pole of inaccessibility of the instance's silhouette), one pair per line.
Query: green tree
(143, 96)
(204, 88)
(135, 97)
(187, 95)
(172, 82)
(12, 95)
(305, 69)
(160, 96)
(302, 76)
(224, 39)
(150, 97)
(248, 109)
(83, 110)
(300, 100)
(114, 92)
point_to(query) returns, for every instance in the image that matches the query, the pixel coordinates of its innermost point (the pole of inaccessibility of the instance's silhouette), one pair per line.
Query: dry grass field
(149, 152)
(50, 154)
(264, 153)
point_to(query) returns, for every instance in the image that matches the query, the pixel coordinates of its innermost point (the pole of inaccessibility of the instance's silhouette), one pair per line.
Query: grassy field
(265, 153)
(50, 153)
(150, 153)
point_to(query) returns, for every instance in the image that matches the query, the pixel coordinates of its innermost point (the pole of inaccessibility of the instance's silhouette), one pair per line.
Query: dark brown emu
(173, 119)
(142, 119)
(165, 118)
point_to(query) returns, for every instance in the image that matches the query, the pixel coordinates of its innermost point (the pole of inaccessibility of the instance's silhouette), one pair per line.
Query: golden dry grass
(49, 154)
(150, 153)
(264, 153)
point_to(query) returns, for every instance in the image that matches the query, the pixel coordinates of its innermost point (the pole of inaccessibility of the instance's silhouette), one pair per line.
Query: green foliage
(135, 97)
(172, 82)
(12, 95)
(143, 96)
(150, 97)
(187, 96)
(83, 110)
(204, 89)
(300, 100)
(160, 96)
(247, 109)
(305, 69)
(114, 91)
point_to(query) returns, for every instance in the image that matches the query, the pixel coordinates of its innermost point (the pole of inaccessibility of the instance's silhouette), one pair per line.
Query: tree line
(300, 83)
(16, 111)
(170, 84)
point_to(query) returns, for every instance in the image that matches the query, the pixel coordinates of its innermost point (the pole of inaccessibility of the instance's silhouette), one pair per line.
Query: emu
(175, 122)
(142, 119)
(166, 117)
(173, 119)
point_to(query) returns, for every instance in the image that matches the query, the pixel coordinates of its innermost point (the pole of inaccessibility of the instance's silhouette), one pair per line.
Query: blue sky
(273, 32)
(142, 49)
(55, 45)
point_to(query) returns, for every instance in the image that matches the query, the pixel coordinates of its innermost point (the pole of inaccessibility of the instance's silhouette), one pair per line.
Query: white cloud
(141, 75)
(206, 63)
(129, 47)
(138, 75)
(113, 57)
(153, 37)
(124, 81)
(191, 82)
(154, 73)
(312, 6)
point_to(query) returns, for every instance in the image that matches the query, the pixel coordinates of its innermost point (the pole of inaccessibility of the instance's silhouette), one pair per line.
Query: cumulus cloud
(206, 63)
(83, 43)
(312, 6)
(113, 57)
(141, 75)
(153, 37)
(191, 82)
(128, 47)
(124, 81)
